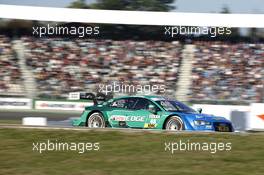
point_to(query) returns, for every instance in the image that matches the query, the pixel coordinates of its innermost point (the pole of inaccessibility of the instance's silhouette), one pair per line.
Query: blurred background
(37, 75)
(193, 68)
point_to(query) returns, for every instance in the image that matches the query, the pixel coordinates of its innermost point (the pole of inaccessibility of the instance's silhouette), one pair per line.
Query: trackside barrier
(256, 119)
(61, 105)
(240, 120)
(15, 103)
(243, 117)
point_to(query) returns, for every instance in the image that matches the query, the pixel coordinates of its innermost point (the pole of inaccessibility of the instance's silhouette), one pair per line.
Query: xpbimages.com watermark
(213, 32)
(185, 146)
(80, 147)
(78, 31)
(131, 88)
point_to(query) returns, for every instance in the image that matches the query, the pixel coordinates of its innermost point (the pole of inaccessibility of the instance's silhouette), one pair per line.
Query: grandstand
(228, 71)
(61, 66)
(199, 71)
(11, 81)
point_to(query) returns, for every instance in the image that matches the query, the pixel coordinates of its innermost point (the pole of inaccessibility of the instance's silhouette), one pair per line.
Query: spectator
(11, 81)
(63, 66)
(223, 71)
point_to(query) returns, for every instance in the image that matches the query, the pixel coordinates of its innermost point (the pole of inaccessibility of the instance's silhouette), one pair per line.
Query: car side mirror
(152, 109)
(200, 110)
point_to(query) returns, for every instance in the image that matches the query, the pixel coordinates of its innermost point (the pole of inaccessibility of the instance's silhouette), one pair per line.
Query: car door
(140, 116)
(120, 109)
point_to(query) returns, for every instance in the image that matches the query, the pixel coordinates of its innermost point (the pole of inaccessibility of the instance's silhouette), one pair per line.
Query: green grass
(128, 153)
(2, 121)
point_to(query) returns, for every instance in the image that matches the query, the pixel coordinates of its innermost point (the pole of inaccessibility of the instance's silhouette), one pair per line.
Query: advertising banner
(61, 105)
(256, 119)
(15, 103)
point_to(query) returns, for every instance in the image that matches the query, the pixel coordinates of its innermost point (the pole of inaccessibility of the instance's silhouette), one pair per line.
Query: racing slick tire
(96, 120)
(174, 123)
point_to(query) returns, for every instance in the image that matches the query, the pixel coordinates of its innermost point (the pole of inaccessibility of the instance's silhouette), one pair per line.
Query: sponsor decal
(12, 103)
(153, 121)
(15, 103)
(127, 118)
(118, 118)
(223, 128)
(135, 118)
(152, 116)
(208, 127)
(57, 105)
(61, 105)
(198, 116)
(149, 125)
(261, 116)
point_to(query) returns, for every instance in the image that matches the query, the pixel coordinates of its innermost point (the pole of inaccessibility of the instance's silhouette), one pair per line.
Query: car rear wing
(96, 98)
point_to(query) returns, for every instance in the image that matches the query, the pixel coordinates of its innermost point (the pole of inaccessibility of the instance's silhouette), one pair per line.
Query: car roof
(150, 97)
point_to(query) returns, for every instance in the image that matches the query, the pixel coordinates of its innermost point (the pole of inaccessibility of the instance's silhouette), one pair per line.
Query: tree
(225, 10)
(234, 31)
(79, 4)
(253, 34)
(128, 31)
(138, 5)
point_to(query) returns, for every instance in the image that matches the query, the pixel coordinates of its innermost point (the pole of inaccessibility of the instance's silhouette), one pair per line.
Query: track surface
(59, 120)
(54, 116)
(125, 130)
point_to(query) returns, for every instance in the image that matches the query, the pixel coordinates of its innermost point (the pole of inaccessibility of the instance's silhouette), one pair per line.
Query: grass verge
(128, 153)
(3, 121)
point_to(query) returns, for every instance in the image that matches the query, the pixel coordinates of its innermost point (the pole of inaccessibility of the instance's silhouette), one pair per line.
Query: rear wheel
(174, 123)
(96, 120)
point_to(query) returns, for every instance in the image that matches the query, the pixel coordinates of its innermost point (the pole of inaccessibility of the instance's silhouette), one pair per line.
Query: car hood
(201, 116)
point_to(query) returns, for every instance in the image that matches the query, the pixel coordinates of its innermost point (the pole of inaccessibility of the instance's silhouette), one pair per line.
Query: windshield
(170, 105)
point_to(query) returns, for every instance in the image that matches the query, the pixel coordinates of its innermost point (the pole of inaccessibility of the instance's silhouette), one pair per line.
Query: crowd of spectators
(226, 71)
(63, 66)
(220, 70)
(11, 82)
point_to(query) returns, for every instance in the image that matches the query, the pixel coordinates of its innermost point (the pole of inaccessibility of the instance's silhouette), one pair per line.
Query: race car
(150, 112)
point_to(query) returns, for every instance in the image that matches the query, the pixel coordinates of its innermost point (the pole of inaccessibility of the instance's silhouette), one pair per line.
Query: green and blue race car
(150, 112)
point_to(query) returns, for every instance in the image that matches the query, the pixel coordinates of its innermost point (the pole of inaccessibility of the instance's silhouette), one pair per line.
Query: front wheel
(96, 120)
(174, 123)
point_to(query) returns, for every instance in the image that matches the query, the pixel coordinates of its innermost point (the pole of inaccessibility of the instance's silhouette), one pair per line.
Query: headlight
(201, 122)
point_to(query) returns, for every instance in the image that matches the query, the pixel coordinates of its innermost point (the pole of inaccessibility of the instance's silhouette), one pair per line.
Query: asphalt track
(62, 120)
(51, 115)
(124, 130)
